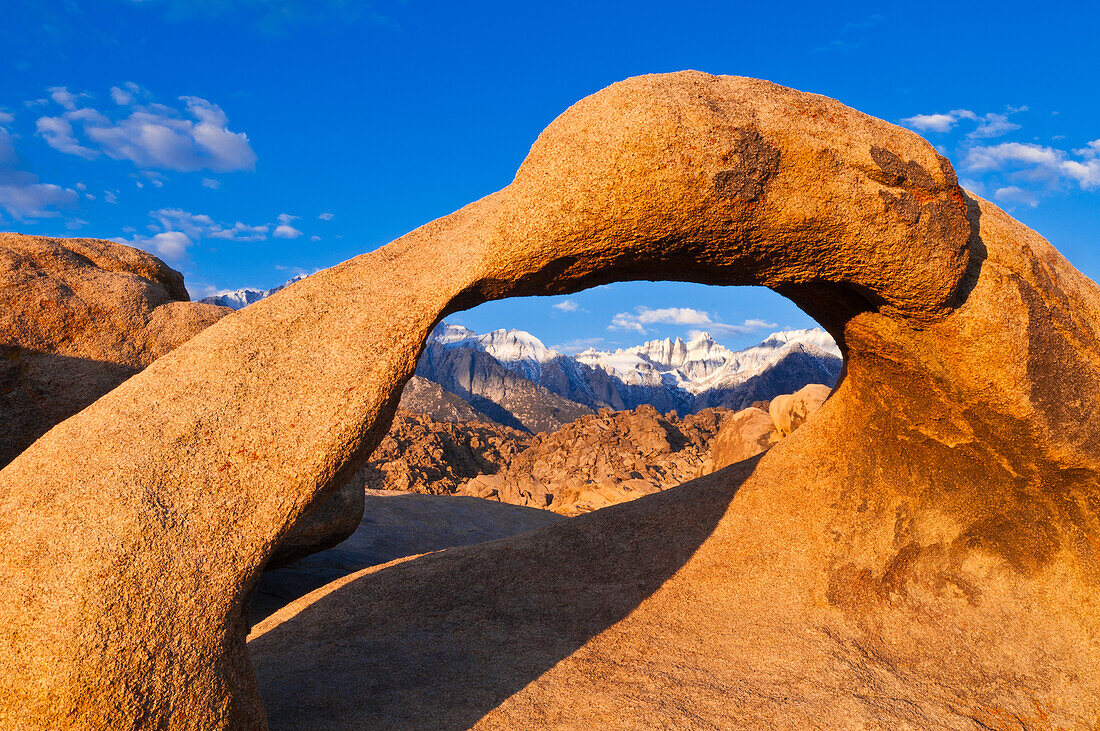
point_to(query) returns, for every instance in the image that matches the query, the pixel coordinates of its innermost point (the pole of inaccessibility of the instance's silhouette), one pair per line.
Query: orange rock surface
(921, 554)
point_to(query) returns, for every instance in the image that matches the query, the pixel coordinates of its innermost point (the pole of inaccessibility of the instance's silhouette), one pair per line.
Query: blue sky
(245, 141)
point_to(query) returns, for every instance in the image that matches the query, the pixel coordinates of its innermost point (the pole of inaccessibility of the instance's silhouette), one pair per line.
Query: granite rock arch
(133, 532)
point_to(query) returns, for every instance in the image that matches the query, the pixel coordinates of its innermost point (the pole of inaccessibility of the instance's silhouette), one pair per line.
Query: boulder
(790, 411)
(745, 434)
(921, 554)
(80, 316)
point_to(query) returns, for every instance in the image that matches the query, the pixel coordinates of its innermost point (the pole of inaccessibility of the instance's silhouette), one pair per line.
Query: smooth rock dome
(920, 554)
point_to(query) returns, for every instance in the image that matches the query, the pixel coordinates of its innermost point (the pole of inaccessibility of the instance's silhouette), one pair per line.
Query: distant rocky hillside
(595, 461)
(423, 454)
(603, 459)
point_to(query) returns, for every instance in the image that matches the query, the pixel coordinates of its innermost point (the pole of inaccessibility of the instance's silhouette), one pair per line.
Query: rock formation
(77, 318)
(420, 454)
(742, 435)
(395, 525)
(923, 553)
(790, 411)
(601, 460)
(80, 316)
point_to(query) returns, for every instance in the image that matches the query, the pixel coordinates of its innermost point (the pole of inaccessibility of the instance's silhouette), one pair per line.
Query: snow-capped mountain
(668, 374)
(515, 379)
(243, 297)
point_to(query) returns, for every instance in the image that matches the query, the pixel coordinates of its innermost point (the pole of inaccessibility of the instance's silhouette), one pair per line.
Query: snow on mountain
(240, 298)
(703, 364)
(669, 374)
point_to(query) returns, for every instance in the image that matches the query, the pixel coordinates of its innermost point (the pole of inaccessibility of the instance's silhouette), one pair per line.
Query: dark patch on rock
(899, 174)
(756, 162)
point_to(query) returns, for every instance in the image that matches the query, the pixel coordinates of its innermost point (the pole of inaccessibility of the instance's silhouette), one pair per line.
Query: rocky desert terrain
(906, 535)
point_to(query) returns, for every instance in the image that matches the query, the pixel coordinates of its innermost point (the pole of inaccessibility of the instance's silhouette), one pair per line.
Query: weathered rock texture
(744, 434)
(77, 318)
(790, 411)
(922, 554)
(420, 454)
(601, 460)
(395, 525)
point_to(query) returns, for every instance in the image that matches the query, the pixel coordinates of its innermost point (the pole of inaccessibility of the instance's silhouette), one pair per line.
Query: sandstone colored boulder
(77, 318)
(921, 554)
(80, 316)
(790, 411)
(744, 434)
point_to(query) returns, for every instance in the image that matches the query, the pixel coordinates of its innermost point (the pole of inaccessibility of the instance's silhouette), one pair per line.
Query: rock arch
(965, 494)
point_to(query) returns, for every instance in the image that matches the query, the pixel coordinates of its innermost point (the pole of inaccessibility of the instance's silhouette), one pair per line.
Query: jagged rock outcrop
(80, 316)
(420, 454)
(602, 459)
(944, 503)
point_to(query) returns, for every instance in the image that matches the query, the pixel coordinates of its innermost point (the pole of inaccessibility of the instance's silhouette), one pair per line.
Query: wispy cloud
(196, 137)
(567, 306)
(643, 316)
(284, 230)
(576, 346)
(1018, 173)
(171, 246)
(327, 216)
(22, 194)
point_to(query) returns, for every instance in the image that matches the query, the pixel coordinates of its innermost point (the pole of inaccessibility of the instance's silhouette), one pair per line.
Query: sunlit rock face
(921, 553)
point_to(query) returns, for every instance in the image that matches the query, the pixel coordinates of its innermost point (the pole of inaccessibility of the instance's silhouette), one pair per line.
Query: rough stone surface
(602, 459)
(77, 318)
(395, 525)
(922, 554)
(790, 411)
(80, 316)
(744, 434)
(421, 454)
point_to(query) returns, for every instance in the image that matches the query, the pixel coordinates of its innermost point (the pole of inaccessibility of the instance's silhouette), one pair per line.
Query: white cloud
(993, 125)
(931, 122)
(567, 306)
(63, 96)
(327, 216)
(58, 133)
(989, 125)
(211, 183)
(125, 95)
(643, 316)
(314, 238)
(22, 195)
(1015, 194)
(578, 345)
(169, 245)
(152, 135)
(284, 230)
(6, 117)
(995, 157)
(201, 226)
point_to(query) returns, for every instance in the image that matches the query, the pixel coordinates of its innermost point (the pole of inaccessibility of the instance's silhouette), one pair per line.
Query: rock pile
(420, 454)
(603, 459)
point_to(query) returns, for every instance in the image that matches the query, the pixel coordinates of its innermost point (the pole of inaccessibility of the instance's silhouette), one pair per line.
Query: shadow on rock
(352, 656)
